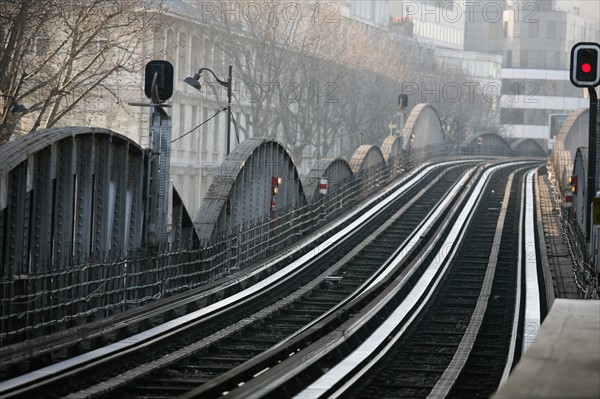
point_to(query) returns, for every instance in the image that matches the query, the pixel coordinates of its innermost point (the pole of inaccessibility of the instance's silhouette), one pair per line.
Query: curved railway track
(229, 319)
(351, 266)
(441, 255)
(422, 356)
(323, 371)
(33, 354)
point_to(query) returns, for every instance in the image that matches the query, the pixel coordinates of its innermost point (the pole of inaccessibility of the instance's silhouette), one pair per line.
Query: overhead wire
(185, 134)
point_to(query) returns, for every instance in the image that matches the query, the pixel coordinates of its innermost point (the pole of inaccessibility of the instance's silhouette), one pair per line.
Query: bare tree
(310, 77)
(56, 52)
(371, 68)
(464, 104)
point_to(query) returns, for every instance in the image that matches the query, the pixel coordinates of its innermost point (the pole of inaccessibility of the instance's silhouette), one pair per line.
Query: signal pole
(158, 87)
(592, 154)
(585, 58)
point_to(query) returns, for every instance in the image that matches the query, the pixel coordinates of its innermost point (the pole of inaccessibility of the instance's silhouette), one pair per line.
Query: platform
(564, 362)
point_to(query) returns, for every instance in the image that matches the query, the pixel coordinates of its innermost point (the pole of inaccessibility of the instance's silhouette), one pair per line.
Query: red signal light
(586, 68)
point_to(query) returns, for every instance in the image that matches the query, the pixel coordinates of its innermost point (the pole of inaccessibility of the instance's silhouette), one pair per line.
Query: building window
(534, 30)
(204, 135)
(218, 57)
(550, 88)
(535, 117)
(551, 30)
(196, 134)
(493, 31)
(541, 58)
(216, 130)
(509, 58)
(196, 46)
(171, 45)
(516, 30)
(523, 59)
(373, 16)
(557, 59)
(512, 116)
(182, 129)
(40, 45)
(207, 52)
(183, 58)
(159, 41)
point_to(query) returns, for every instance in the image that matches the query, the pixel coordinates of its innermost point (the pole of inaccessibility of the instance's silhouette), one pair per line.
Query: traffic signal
(573, 180)
(402, 101)
(164, 79)
(275, 183)
(585, 58)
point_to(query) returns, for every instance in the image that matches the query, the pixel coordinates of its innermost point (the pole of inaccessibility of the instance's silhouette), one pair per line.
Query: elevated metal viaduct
(78, 212)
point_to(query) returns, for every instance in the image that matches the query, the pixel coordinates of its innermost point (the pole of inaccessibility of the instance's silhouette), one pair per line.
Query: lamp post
(6, 126)
(195, 83)
(16, 107)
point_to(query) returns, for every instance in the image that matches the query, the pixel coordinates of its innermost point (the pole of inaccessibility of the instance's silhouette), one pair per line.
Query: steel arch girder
(240, 192)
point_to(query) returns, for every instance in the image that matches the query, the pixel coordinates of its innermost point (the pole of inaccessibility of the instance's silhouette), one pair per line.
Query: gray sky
(587, 8)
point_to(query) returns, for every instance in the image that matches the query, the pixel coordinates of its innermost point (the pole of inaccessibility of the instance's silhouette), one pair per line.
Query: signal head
(585, 58)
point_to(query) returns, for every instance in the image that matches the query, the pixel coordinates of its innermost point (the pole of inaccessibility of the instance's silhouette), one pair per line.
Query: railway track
(452, 338)
(312, 306)
(443, 350)
(30, 355)
(421, 357)
(351, 266)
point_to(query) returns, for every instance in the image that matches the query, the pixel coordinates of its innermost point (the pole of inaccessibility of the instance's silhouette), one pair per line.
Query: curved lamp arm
(221, 82)
(15, 107)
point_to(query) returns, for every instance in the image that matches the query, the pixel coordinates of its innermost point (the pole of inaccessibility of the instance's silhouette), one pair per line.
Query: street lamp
(195, 83)
(16, 107)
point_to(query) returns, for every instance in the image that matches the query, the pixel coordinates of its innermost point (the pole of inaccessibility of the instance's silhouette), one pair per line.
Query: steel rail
(527, 262)
(405, 249)
(532, 289)
(213, 386)
(92, 359)
(22, 351)
(296, 365)
(448, 379)
(357, 364)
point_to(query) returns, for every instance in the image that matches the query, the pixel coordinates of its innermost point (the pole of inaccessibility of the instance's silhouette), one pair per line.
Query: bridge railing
(65, 297)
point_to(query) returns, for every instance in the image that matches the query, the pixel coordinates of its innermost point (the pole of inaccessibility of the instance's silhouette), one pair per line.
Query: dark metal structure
(241, 191)
(88, 228)
(528, 147)
(488, 144)
(391, 147)
(573, 135)
(337, 172)
(366, 156)
(580, 174)
(73, 196)
(423, 128)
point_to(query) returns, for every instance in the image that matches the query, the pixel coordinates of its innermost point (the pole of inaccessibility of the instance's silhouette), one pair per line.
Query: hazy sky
(587, 8)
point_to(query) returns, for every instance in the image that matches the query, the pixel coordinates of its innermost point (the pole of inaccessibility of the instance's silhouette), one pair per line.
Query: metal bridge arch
(574, 134)
(528, 147)
(488, 143)
(366, 156)
(75, 195)
(240, 192)
(391, 148)
(337, 172)
(580, 169)
(423, 127)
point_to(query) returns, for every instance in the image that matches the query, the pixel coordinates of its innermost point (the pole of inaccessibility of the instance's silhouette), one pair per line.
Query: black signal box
(164, 80)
